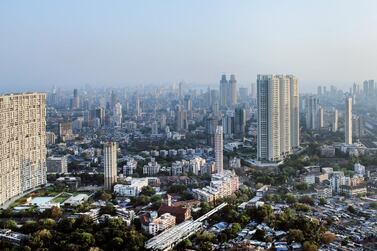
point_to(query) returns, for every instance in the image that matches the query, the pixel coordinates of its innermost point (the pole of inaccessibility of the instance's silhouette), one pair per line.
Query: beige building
(22, 143)
(348, 122)
(110, 164)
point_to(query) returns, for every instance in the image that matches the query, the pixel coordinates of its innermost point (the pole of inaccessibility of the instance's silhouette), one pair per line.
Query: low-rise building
(132, 189)
(127, 215)
(181, 214)
(222, 185)
(327, 151)
(359, 169)
(77, 200)
(354, 190)
(14, 238)
(153, 224)
(71, 182)
(57, 164)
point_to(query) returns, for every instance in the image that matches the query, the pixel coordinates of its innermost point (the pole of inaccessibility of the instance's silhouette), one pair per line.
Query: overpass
(172, 236)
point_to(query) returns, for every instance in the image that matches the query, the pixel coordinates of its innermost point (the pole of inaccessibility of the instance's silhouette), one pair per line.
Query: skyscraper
(335, 121)
(239, 122)
(232, 91)
(295, 112)
(312, 113)
(277, 111)
(22, 143)
(320, 117)
(76, 100)
(137, 106)
(223, 91)
(110, 164)
(348, 121)
(219, 149)
(228, 91)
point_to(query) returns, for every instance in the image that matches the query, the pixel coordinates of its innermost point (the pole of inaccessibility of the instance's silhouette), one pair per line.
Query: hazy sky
(114, 43)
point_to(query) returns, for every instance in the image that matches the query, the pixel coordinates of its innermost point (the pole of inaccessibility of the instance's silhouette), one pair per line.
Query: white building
(159, 224)
(132, 189)
(222, 185)
(118, 114)
(334, 123)
(152, 168)
(110, 164)
(337, 180)
(196, 165)
(312, 109)
(359, 169)
(128, 169)
(348, 122)
(278, 116)
(177, 168)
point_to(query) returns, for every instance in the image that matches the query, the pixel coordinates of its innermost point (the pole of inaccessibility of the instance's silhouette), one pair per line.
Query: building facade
(348, 122)
(278, 116)
(219, 149)
(22, 143)
(110, 164)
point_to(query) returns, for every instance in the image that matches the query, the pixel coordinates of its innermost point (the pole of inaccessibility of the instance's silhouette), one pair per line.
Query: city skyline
(46, 44)
(188, 125)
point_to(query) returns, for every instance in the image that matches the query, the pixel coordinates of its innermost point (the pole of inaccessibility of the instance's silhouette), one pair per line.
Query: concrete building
(50, 138)
(312, 113)
(128, 169)
(232, 91)
(219, 147)
(222, 185)
(153, 225)
(196, 165)
(57, 164)
(223, 91)
(75, 100)
(132, 189)
(228, 91)
(359, 169)
(152, 168)
(348, 122)
(22, 143)
(278, 118)
(65, 131)
(320, 117)
(110, 164)
(239, 122)
(334, 122)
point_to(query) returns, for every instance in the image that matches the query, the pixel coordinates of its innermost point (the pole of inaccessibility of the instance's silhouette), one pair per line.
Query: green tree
(234, 229)
(10, 224)
(295, 235)
(290, 198)
(148, 191)
(205, 236)
(373, 205)
(322, 201)
(310, 246)
(29, 227)
(117, 243)
(307, 200)
(206, 246)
